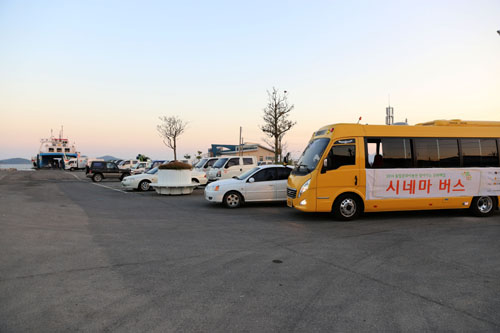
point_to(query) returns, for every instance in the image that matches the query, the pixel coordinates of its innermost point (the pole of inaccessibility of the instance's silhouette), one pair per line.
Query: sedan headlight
(212, 187)
(304, 187)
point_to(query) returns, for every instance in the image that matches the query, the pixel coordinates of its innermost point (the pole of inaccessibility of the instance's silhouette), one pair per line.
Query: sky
(107, 70)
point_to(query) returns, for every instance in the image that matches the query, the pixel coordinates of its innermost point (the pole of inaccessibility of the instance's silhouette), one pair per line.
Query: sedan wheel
(232, 200)
(144, 185)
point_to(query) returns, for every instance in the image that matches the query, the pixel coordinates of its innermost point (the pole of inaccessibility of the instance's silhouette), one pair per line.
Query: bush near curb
(175, 165)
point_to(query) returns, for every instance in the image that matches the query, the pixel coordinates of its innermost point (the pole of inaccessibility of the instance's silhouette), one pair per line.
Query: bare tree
(276, 122)
(170, 129)
(282, 146)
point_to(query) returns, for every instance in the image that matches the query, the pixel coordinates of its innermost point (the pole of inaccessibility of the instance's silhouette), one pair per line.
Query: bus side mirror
(324, 168)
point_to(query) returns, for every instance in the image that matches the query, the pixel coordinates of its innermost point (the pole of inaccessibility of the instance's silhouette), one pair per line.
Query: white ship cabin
(54, 152)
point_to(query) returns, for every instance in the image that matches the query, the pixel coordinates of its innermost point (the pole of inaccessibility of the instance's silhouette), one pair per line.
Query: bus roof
(437, 128)
(459, 122)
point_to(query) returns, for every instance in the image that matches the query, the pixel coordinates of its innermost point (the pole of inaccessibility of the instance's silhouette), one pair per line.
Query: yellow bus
(348, 169)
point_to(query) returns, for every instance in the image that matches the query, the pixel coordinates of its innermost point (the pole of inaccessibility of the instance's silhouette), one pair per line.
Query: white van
(205, 164)
(127, 164)
(228, 167)
(140, 167)
(76, 163)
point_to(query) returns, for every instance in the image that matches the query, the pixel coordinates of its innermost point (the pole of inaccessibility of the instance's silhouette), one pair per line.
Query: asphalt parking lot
(81, 256)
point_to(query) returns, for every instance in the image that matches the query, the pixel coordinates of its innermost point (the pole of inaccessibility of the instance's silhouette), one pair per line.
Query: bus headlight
(304, 187)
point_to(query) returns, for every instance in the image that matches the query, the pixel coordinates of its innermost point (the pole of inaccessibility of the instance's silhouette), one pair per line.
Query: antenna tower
(389, 114)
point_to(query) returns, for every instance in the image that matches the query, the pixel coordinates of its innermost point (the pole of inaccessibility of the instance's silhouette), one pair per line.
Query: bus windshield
(311, 156)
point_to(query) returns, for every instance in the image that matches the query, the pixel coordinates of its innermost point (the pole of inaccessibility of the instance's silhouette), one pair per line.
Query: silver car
(262, 183)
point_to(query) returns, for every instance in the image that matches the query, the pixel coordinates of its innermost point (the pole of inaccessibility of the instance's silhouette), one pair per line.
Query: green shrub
(175, 165)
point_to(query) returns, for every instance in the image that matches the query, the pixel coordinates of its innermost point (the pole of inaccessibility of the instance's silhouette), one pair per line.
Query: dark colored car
(100, 170)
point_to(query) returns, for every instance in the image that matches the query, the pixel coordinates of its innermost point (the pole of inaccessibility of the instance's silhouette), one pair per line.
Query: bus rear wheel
(483, 206)
(347, 207)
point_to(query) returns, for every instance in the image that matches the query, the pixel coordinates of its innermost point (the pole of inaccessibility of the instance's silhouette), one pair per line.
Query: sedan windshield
(152, 171)
(248, 173)
(311, 156)
(201, 163)
(220, 163)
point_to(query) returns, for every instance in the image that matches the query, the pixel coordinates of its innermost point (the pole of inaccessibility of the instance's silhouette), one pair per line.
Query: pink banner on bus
(425, 183)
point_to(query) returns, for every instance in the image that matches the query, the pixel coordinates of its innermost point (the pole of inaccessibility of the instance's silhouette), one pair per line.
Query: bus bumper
(305, 203)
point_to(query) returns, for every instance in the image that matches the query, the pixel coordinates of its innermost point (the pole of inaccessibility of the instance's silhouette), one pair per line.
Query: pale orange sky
(108, 82)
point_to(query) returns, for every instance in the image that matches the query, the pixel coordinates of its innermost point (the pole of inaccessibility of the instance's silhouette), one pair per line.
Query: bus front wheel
(347, 207)
(483, 206)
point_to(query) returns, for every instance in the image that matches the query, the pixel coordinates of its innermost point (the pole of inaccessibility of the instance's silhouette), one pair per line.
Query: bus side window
(373, 152)
(489, 153)
(341, 155)
(480, 153)
(388, 153)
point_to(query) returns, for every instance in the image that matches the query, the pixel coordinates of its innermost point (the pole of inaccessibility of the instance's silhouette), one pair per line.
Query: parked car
(127, 164)
(100, 170)
(199, 177)
(140, 167)
(262, 183)
(89, 163)
(158, 163)
(228, 167)
(206, 163)
(141, 182)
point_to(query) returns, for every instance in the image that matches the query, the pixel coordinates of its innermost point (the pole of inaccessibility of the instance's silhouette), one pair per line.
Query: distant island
(109, 158)
(15, 161)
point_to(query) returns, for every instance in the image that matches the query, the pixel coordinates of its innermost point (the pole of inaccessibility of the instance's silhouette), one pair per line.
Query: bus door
(339, 173)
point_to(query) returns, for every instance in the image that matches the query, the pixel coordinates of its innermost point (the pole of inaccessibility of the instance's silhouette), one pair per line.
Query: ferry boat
(54, 152)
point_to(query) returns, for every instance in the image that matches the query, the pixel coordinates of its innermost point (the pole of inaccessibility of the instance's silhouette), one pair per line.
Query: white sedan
(140, 182)
(199, 177)
(263, 183)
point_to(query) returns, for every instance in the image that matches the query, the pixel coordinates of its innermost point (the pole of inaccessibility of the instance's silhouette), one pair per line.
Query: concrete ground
(79, 256)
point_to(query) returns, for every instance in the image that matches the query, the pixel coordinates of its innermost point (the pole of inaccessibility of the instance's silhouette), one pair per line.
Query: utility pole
(241, 143)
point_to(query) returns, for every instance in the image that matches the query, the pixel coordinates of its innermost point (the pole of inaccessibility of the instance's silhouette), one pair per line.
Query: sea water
(20, 167)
